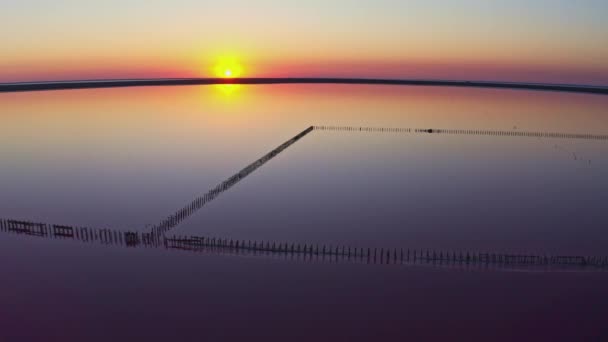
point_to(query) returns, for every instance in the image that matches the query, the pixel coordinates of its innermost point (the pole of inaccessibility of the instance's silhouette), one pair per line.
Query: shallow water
(125, 159)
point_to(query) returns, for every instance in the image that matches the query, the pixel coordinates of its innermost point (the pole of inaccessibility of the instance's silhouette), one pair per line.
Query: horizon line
(146, 82)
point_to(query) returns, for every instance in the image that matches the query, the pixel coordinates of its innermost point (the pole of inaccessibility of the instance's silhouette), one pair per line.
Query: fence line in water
(175, 219)
(185, 212)
(556, 135)
(363, 129)
(157, 233)
(55, 231)
(310, 252)
(380, 255)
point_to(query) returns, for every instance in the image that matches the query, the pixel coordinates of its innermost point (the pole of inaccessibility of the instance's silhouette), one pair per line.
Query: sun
(227, 67)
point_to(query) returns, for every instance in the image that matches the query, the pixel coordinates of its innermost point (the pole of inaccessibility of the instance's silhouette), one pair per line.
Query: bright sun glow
(227, 67)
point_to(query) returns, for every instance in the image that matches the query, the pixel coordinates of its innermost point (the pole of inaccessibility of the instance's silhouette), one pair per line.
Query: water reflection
(228, 90)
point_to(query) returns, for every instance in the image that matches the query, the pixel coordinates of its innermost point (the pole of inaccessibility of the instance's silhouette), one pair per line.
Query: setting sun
(228, 67)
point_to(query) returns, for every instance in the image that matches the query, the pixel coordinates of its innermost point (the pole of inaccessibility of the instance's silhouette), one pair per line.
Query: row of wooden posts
(382, 255)
(157, 236)
(175, 219)
(185, 212)
(363, 129)
(306, 251)
(55, 231)
(515, 134)
(466, 132)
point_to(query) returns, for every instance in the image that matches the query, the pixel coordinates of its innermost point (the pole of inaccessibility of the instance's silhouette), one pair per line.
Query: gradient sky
(554, 41)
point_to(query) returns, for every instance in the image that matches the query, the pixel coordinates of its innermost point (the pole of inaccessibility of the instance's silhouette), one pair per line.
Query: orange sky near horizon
(539, 41)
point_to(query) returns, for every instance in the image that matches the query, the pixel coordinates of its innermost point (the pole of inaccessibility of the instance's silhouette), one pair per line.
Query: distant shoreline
(88, 84)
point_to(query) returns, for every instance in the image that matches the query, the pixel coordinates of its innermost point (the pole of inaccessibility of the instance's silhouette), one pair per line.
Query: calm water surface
(127, 158)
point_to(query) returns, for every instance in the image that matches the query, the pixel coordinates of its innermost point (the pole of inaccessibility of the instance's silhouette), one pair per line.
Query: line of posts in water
(185, 212)
(498, 133)
(363, 129)
(55, 231)
(157, 233)
(301, 251)
(175, 219)
(380, 255)
(556, 135)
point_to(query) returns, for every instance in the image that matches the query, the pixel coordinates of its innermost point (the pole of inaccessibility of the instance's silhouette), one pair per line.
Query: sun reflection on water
(228, 91)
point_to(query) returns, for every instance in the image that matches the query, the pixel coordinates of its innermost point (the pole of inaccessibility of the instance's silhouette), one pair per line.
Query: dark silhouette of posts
(305, 251)
(187, 211)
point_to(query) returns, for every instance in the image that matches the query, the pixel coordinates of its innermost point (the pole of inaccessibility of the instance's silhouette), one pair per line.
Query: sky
(552, 41)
